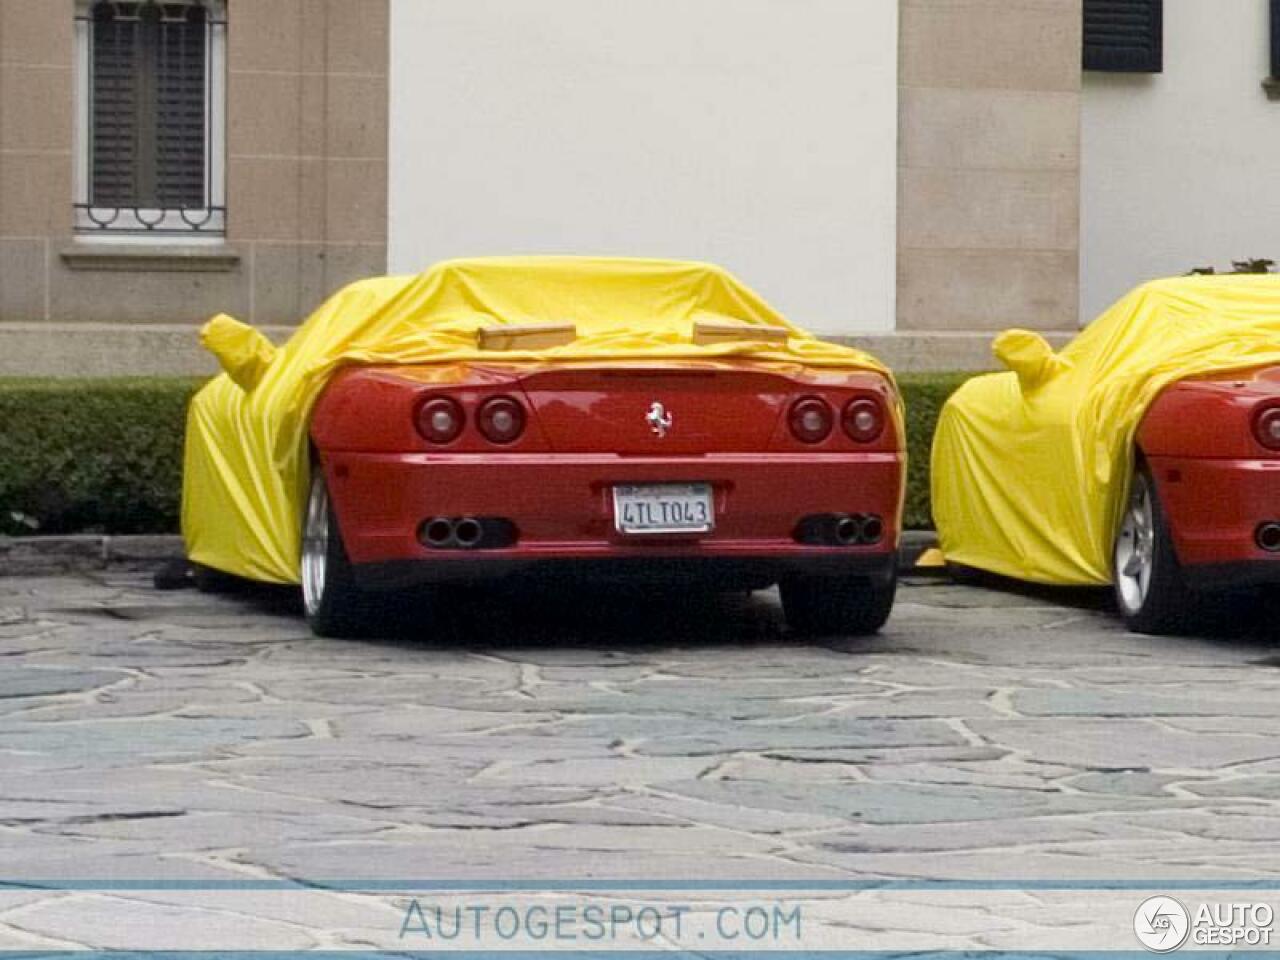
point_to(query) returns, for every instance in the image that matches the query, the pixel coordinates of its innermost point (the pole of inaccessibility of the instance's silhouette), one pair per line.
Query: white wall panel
(1179, 169)
(759, 134)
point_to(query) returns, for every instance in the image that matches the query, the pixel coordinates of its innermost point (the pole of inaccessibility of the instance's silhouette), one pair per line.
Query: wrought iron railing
(211, 219)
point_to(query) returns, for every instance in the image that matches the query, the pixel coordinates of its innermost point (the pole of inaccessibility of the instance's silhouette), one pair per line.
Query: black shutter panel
(1275, 39)
(180, 109)
(149, 73)
(1124, 35)
(116, 97)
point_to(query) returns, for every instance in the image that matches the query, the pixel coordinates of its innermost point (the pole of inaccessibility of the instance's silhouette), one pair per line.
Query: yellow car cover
(246, 463)
(1031, 467)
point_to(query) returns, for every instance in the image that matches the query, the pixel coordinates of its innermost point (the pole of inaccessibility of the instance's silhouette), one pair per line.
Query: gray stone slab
(1133, 700)
(39, 681)
(1127, 744)
(184, 735)
(95, 919)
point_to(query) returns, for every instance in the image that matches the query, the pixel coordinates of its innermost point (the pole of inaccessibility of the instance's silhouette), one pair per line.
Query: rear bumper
(1240, 575)
(693, 571)
(1213, 508)
(562, 509)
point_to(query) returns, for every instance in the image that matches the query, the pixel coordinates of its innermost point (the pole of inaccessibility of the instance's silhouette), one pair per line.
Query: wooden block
(526, 336)
(706, 332)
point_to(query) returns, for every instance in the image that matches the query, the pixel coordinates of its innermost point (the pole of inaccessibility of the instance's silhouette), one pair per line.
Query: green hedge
(91, 455)
(924, 394)
(106, 455)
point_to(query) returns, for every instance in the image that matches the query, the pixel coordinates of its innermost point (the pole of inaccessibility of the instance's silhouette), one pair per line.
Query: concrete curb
(913, 544)
(33, 556)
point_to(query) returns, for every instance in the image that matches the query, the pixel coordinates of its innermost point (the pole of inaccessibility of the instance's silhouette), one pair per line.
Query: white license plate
(664, 508)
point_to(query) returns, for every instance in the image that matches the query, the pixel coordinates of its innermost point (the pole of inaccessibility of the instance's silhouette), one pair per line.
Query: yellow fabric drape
(246, 460)
(1030, 476)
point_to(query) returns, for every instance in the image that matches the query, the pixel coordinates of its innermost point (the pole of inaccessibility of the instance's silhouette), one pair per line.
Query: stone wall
(306, 183)
(988, 185)
(989, 164)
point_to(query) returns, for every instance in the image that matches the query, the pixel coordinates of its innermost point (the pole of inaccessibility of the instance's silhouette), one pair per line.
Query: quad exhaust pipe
(467, 533)
(1267, 536)
(437, 532)
(872, 529)
(847, 530)
(840, 529)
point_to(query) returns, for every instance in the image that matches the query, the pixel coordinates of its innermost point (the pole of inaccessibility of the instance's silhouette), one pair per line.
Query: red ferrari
(562, 418)
(1203, 511)
(1145, 454)
(732, 473)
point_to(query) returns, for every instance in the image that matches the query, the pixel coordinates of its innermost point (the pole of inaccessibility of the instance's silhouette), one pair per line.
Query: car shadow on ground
(580, 615)
(1078, 598)
(594, 616)
(1246, 618)
(554, 614)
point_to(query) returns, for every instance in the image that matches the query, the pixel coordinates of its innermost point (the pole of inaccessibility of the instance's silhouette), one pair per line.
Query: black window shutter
(180, 109)
(1275, 39)
(1124, 35)
(115, 108)
(149, 78)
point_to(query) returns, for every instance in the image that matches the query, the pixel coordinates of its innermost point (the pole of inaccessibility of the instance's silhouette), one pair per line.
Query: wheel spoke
(315, 546)
(1141, 516)
(1135, 548)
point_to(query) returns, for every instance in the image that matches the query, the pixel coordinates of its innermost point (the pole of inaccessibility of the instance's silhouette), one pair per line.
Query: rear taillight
(863, 420)
(440, 419)
(810, 419)
(501, 419)
(1266, 427)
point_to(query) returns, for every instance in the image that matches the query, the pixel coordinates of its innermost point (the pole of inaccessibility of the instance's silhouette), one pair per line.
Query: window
(150, 118)
(1124, 35)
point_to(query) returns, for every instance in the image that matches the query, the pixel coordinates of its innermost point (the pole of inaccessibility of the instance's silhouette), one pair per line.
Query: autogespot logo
(1162, 924)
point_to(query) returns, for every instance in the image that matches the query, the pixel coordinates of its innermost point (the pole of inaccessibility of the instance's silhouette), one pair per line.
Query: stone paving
(981, 735)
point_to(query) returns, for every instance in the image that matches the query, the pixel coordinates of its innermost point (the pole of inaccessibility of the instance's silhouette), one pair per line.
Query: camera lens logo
(1162, 924)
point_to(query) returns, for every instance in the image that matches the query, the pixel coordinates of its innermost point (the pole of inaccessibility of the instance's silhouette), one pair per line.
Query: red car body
(543, 502)
(1218, 481)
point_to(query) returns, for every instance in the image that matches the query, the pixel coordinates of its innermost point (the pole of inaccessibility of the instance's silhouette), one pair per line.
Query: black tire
(837, 606)
(334, 606)
(1165, 605)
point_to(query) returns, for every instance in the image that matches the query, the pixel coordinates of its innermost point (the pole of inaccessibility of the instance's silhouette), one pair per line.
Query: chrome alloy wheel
(315, 544)
(1135, 548)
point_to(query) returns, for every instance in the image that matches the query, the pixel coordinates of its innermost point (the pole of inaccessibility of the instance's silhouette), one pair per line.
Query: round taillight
(1266, 427)
(440, 420)
(810, 419)
(863, 420)
(501, 419)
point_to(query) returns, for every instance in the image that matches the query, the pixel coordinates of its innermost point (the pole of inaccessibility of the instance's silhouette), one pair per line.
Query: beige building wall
(987, 196)
(305, 176)
(989, 166)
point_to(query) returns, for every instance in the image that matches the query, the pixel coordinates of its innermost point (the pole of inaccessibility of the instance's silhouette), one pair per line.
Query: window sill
(177, 257)
(1272, 86)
